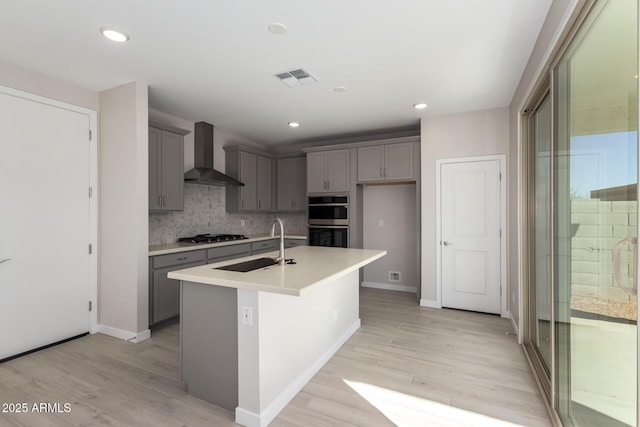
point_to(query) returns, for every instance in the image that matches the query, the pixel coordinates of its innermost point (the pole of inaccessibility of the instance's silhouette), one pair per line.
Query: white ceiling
(214, 60)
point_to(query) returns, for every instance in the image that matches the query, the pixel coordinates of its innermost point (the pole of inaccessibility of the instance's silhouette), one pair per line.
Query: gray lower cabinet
(292, 243)
(223, 253)
(164, 295)
(264, 246)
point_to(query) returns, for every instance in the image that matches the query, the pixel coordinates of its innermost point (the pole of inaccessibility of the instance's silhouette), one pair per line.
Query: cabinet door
(248, 170)
(398, 159)
(263, 184)
(316, 172)
(299, 184)
(155, 203)
(338, 170)
(286, 184)
(172, 171)
(371, 163)
(166, 295)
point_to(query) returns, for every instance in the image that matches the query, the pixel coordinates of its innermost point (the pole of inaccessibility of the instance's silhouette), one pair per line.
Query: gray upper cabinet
(256, 173)
(391, 162)
(248, 176)
(292, 184)
(264, 184)
(166, 170)
(328, 171)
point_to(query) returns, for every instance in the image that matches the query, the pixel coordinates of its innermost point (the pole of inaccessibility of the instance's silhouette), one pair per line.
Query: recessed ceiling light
(420, 106)
(340, 89)
(294, 124)
(277, 28)
(114, 35)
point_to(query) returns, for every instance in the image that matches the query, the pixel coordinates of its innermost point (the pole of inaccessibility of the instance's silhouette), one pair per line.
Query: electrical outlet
(380, 223)
(242, 223)
(247, 315)
(394, 276)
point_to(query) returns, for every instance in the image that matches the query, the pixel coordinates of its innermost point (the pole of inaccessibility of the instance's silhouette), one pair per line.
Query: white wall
(50, 87)
(478, 133)
(124, 233)
(395, 205)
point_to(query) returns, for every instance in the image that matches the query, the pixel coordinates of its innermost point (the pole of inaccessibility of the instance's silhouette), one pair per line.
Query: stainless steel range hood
(203, 172)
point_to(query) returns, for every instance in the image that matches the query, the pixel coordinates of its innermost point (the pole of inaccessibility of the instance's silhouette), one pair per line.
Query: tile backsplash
(204, 212)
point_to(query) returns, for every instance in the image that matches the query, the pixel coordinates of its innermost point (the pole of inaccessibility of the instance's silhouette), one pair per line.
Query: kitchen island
(250, 341)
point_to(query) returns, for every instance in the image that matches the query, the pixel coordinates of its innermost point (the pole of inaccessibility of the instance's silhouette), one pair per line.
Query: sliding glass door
(582, 212)
(596, 205)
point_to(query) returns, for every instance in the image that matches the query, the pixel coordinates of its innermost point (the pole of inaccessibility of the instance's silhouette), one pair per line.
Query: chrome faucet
(280, 257)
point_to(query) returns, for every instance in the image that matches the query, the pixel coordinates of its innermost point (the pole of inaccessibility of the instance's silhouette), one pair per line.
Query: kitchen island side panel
(209, 343)
(297, 336)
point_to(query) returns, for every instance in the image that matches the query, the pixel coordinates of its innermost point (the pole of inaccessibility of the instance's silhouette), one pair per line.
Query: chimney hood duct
(203, 172)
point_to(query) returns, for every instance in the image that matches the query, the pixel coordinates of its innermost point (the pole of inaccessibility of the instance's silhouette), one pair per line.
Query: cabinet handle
(381, 172)
(164, 201)
(385, 172)
(259, 204)
(242, 203)
(160, 201)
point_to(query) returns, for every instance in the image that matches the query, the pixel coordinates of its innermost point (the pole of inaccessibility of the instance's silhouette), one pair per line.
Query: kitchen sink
(246, 266)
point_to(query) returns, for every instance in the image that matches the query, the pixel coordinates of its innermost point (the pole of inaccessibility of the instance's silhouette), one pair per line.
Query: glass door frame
(545, 87)
(544, 378)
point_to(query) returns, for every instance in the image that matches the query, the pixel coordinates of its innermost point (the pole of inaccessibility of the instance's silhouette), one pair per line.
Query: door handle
(5, 260)
(447, 243)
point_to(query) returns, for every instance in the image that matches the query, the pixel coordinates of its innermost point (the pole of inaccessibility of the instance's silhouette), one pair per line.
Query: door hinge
(500, 175)
(501, 234)
(90, 305)
(90, 191)
(500, 290)
(90, 135)
(90, 248)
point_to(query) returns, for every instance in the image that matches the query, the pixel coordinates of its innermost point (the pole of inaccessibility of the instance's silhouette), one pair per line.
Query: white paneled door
(44, 224)
(470, 235)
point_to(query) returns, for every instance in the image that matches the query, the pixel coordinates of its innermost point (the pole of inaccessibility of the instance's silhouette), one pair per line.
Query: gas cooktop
(211, 238)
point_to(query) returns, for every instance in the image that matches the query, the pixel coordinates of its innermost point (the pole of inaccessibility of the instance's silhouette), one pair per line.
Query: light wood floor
(407, 365)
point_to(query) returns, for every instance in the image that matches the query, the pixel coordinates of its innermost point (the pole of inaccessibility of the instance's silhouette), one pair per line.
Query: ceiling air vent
(297, 77)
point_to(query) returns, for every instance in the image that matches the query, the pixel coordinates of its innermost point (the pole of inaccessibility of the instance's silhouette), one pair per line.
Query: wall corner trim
(125, 335)
(429, 303)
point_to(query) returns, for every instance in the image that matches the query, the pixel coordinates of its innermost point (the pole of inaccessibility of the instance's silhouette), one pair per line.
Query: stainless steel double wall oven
(329, 221)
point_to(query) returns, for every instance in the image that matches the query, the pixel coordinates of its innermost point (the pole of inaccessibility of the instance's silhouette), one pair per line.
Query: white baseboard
(429, 303)
(389, 286)
(247, 418)
(251, 419)
(125, 335)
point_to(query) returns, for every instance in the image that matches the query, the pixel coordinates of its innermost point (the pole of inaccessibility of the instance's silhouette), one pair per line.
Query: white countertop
(315, 265)
(171, 248)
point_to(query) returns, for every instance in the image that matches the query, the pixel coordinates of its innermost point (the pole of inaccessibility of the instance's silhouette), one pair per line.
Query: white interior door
(44, 224)
(470, 235)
